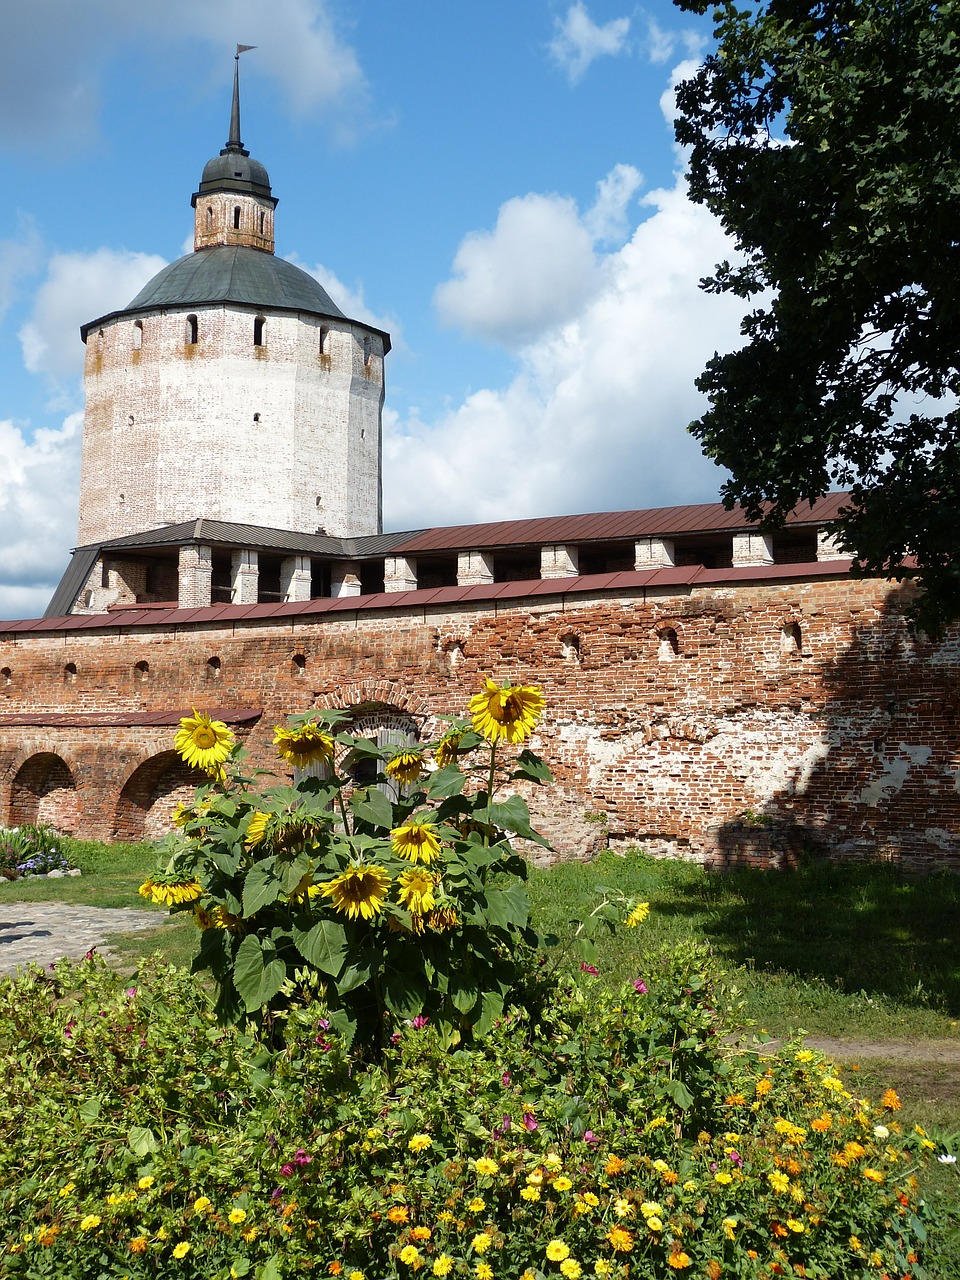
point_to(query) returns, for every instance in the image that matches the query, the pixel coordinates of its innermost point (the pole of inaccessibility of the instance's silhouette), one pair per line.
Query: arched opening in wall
(213, 668)
(137, 334)
(236, 217)
(387, 727)
(323, 343)
(70, 673)
(150, 795)
(298, 665)
(193, 330)
(263, 218)
(44, 791)
(791, 640)
(209, 217)
(570, 646)
(6, 677)
(141, 672)
(668, 645)
(259, 332)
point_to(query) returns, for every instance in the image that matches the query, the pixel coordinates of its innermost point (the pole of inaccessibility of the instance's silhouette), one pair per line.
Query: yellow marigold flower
(561, 1184)
(535, 1178)
(661, 1166)
(138, 1244)
(509, 712)
(795, 1225)
(361, 890)
(804, 1056)
(613, 1166)
(486, 1167)
(622, 1207)
(530, 1193)
(891, 1100)
(621, 1239)
(637, 915)
(181, 1250)
(876, 1259)
(443, 1265)
(650, 1207)
(602, 1267)
(571, 1268)
(481, 1242)
(873, 1174)
(557, 1251)
(856, 1244)
(853, 1150)
(409, 1255)
(398, 1213)
(416, 891)
(250, 1234)
(65, 1191)
(405, 767)
(729, 1227)
(356, 1275)
(90, 1222)
(655, 1223)
(589, 1198)
(162, 1233)
(779, 1181)
(552, 1160)
(832, 1084)
(483, 1271)
(145, 1183)
(203, 743)
(477, 1204)
(420, 1142)
(236, 1216)
(416, 840)
(723, 1177)
(304, 746)
(256, 829)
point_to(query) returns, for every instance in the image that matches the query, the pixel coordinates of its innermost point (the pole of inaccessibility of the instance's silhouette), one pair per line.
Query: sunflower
(405, 767)
(416, 891)
(415, 840)
(256, 829)
(203, 743)
(359, 891)
(509, 712)
(448, 749)
(170, 893)
(303, 746)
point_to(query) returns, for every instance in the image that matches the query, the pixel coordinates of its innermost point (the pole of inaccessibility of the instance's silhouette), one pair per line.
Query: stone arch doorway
(44, 792)
(150, 795)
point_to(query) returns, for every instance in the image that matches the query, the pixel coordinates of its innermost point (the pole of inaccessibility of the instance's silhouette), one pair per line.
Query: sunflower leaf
(371, 805)
(325, 945)
(508, 908)
(445, 782)
(258, 973)
(260, 888)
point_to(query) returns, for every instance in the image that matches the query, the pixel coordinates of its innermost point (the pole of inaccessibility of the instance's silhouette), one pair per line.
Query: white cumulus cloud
(78, 288)
(595, 417)
(578, 40)
(38, 512)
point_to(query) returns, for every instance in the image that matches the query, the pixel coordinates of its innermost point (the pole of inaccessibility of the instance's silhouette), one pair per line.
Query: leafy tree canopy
(826, 137)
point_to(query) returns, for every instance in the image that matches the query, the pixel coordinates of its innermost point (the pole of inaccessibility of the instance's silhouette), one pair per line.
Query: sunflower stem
(490, 782)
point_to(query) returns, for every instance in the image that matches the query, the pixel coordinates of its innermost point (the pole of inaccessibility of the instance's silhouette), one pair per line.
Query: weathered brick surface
(740, 744)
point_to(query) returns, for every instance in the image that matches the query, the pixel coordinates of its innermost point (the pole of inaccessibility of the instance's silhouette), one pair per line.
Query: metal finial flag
(244, 48)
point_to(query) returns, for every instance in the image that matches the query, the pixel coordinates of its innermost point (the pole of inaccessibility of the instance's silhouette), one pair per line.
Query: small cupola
(234, 204)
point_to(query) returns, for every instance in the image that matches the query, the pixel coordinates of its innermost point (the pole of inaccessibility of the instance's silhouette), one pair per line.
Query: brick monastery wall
(739, 744)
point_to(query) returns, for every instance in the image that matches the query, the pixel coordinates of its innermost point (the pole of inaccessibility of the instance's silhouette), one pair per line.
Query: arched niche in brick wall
(44, 791)
(150, 795)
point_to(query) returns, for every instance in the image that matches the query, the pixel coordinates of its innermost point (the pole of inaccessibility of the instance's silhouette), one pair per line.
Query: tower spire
(233, 142)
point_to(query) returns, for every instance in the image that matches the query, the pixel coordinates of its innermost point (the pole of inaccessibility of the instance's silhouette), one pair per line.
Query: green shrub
(30, 850)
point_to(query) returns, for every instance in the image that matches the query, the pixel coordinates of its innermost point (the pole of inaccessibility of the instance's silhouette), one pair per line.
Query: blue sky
(497, 185)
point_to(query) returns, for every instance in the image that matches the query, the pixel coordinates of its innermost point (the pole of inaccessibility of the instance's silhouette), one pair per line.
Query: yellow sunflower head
(361, 890)
(416, 840)
(510, 711)
(405, 767)
(303, 746)
(416, 891)
(256, 829)
(448, 749)
(203, 743)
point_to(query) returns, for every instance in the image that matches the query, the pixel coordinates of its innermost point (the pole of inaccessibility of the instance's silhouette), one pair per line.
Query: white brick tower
(232, 387)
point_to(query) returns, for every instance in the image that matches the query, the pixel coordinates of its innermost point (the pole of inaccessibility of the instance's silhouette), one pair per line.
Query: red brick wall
(738, 746)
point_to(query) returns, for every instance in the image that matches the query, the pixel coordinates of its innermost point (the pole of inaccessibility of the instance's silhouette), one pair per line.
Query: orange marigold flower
(48, 1235)
(678, 1259)
(891, 1101)
(764, 1086)
(335, 1268)
(821, 1124)
(621, 1239)
(138, 1244)
(713, 1269)
(398, 1213)
(780, 1230)
(614, 1165)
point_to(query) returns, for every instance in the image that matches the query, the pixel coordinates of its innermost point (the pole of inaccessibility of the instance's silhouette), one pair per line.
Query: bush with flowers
(30, 850)
(394, 1082)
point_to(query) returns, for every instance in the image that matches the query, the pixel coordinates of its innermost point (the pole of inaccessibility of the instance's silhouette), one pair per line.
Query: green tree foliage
(826, 138)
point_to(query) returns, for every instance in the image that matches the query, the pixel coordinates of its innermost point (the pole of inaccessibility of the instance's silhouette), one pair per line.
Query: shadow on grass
(861, 928)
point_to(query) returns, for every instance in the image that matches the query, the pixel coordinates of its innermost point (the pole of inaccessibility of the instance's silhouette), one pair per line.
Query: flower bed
(31, 851)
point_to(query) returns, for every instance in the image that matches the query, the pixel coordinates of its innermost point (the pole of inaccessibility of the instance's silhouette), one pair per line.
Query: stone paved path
(41, 932)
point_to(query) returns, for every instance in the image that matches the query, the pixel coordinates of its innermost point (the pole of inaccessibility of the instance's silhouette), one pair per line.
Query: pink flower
(396, 1038)
(640, 986)
(130, 992)
(589, 968)
(419, 1021)
(530, 1121)
(590, 1138)
(287, 1171)
(301, 1158)
(505, 1079)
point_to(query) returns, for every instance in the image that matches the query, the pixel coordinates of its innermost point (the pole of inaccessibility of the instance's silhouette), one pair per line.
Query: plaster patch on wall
(771, 752)
(942, 839)
(894, 775)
